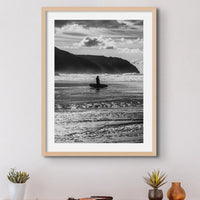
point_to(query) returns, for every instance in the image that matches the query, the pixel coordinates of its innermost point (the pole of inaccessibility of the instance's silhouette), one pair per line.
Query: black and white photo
(99, 81)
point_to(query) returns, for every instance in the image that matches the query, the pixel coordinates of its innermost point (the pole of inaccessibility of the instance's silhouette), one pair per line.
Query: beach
(109, 115)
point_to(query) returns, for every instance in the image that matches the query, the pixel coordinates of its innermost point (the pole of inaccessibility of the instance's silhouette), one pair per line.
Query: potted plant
(155, 179)
(17, 184)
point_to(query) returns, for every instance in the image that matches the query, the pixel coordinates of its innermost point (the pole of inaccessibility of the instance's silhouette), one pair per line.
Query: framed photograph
(99, 81)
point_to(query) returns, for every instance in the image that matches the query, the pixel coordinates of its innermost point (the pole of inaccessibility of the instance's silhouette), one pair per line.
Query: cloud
(134, 43)
(90, 42)
(129, 50)
(131, 41)
(128, 41)
(100, 23)
(70, 47)
(80, 30)
(138, 22)
(101, 42)
(95, 28)
(139, 40)
(72, 29)
(137, 62)
(131, 23)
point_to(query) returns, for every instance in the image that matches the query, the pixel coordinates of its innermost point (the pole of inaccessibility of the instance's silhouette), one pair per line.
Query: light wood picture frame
(84, 45)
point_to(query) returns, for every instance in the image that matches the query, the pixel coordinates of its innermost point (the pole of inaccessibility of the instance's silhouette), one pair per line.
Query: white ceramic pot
(17, 191)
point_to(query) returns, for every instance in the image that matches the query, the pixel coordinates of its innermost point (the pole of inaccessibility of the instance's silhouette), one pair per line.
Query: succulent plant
(155, 179)
(17, 176)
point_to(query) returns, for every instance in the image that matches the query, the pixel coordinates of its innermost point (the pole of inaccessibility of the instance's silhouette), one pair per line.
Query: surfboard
(98, 86)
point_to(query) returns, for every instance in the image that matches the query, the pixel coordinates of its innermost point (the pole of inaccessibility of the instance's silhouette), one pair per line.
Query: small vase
(155, 194)
(176, 192)
(17, 191)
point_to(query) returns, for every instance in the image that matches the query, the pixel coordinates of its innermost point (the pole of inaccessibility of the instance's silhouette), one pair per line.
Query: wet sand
(110, 115)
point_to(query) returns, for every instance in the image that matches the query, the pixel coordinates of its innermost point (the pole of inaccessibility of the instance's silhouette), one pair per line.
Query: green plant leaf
(155, 179)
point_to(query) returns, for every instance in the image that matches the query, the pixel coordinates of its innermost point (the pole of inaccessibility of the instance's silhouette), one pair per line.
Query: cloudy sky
(115, 38)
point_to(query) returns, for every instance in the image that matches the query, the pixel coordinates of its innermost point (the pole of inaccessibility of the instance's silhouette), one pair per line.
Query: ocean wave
(106, 78)
(64, 106)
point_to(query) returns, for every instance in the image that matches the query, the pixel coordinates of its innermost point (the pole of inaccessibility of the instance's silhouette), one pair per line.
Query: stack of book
(93, 198)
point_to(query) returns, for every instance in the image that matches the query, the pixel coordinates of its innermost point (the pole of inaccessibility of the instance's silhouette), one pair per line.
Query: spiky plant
(17, 176)
(155, 179)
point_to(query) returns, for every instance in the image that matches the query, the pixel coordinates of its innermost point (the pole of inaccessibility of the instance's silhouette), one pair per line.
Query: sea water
(108, 115)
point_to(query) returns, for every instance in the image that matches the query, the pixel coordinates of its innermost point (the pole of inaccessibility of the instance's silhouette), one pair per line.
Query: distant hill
(69, 63)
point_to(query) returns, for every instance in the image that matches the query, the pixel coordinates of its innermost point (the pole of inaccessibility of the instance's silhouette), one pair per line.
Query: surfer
(97, 80)
(98, 85)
